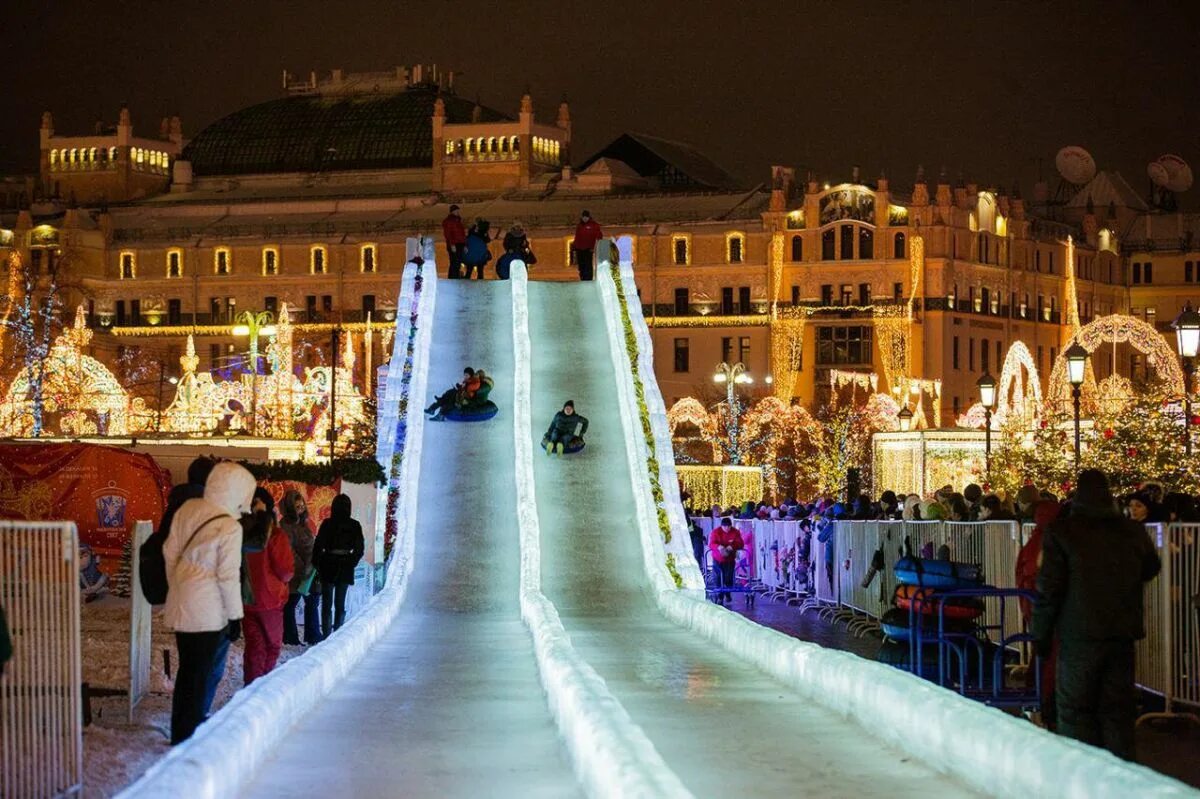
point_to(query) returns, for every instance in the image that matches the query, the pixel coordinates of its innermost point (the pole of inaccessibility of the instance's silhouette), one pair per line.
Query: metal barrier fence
(1168, 658)
(140, 617)
(41, 725)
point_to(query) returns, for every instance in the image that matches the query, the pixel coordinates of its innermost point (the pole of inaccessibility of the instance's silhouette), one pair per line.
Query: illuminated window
(221, 262)
(899, 246)
(516, 146)
(174, 263)
(449, 146)
(128, 266)
(53, 158)
(735, 246)
(680, 250)
(317, 260)
(270, 261)
(367, 258)
(844, 345)
(797, 248)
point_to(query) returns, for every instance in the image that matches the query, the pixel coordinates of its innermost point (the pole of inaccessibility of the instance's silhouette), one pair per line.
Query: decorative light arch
(690, 410)
(1117, 329)
(1020, 389)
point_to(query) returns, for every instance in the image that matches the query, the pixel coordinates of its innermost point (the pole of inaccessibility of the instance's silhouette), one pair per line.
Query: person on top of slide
(562, 431)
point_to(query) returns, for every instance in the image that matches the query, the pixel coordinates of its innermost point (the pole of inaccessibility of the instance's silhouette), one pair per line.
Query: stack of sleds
(928, 609)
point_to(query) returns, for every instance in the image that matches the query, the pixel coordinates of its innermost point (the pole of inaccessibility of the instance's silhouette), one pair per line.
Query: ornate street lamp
(1187, 336)
(905, 416)
(1076, 357)
(987, 398)
(733, 376)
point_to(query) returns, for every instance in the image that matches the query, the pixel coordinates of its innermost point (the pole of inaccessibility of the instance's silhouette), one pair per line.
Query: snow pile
(985, 748)
(612, 755)
(225, 752)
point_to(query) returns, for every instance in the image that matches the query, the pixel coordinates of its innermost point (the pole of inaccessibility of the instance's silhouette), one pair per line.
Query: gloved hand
(234, 631)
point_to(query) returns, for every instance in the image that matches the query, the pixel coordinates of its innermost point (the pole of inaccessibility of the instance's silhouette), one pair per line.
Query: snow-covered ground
(115, 752)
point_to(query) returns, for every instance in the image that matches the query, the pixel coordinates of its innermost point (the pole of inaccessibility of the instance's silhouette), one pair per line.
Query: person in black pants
(1095, 563)
(337, 551)
(587, 233)
(197, 658)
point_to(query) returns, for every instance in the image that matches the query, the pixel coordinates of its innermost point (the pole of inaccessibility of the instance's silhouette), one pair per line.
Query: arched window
(128, 266)
(174, 263)
(317, 260)
(900, 246)
(797, 248)
(828, 245)
(735, 248)
(270, 261)
(866, 243)
(367, 259)
(222, 264)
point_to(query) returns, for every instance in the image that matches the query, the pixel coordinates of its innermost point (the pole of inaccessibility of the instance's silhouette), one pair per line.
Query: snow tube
(895, 625)
(941, 574)
(927, 602)
(473, 413)
(575, 444)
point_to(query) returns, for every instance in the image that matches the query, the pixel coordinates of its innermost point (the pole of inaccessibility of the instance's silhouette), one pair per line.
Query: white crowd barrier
(141, 644)
(41, 717)
(1168, 658)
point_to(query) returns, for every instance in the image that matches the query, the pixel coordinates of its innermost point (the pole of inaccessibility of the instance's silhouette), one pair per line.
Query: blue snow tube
(473, 413)
(895, 625)
(573, 445)
(939, 574)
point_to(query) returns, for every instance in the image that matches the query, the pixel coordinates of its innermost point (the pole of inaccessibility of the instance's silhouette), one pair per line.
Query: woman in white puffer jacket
(203, 555)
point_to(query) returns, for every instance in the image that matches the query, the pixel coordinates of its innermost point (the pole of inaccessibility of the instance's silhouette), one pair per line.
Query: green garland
(631, 348)
(352, 470)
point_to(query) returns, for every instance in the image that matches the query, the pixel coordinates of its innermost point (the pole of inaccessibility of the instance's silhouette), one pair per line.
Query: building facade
(308, 201)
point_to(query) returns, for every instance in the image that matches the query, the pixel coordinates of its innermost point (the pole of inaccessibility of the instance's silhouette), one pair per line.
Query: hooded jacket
(204, 572)
(301, 536)
(339, 545)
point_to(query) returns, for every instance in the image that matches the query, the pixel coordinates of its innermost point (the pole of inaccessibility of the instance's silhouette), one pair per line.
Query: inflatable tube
(942, 574)
(480, 413)
(576, 444)
(926, 602)
(895, 625)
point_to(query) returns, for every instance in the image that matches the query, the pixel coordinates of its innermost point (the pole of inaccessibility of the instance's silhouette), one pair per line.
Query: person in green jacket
(5, 642)
(562, 432)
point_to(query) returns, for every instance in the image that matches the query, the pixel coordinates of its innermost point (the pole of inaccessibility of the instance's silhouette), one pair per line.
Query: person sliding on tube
(453, 397)
(562, 429)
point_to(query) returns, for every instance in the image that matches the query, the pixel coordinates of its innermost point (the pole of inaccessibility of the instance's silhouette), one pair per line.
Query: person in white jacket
(203, 555)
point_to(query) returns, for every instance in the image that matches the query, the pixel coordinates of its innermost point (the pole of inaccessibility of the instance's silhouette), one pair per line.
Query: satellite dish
(1158, 173)
(1075, 164)
(1179, 173)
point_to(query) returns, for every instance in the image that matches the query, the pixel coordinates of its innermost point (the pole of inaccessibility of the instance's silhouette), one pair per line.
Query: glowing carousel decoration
(81, 391)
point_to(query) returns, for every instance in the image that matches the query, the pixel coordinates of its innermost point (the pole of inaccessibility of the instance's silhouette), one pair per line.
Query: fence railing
(791, 562)
(41, 724)
(140, 615)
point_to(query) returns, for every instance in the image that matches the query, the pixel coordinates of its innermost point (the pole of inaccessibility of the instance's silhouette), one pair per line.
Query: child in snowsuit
(562, 429)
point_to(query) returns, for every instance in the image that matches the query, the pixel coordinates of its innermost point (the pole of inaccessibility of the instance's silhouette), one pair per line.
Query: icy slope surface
(448, 703)
(720, 724)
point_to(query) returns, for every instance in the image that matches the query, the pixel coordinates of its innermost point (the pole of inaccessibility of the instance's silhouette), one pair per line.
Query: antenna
(1179, 174)
(1158, 174)
(1075, 164)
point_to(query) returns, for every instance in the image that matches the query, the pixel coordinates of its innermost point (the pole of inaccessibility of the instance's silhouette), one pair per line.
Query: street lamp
(732, 376)
(987, 398)
(254, 325)
(1076, 357)
(1187, 336)
(905, 416)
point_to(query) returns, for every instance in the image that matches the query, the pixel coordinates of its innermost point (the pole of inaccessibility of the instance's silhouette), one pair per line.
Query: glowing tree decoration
(82, 390)
(1115, 329)
(690, 411)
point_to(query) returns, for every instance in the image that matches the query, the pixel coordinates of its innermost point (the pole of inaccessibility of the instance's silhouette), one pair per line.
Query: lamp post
(732, 376)
(987, 398)
(254, 325)
(1076, 357)
(1187, 336)
(905, 416)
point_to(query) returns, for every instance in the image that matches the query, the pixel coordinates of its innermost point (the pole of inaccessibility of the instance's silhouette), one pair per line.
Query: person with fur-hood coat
(203, 557)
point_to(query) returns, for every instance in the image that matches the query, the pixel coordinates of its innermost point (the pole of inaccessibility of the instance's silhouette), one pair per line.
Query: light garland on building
(722, 485)
(757, 320)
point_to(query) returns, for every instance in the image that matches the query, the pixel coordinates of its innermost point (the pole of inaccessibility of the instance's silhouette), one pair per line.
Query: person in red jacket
(725, 543)
(269, 565)
(456, 241)
(1029, 563)
(587, 233)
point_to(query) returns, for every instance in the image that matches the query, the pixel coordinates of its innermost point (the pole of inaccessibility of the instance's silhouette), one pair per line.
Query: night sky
(986, 89)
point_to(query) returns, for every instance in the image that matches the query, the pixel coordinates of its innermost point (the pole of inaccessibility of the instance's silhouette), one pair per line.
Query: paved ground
(1171, 747)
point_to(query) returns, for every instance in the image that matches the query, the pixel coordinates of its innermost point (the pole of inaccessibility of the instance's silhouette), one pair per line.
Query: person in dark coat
(337, 551)
(562, 428)
(478, 254)
(456, 241)
(699, 542)
(295, 522)
(1094, 565)
(587, 233)
(198, 471)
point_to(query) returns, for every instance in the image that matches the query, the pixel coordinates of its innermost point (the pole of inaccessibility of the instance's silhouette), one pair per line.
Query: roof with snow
(670, 164)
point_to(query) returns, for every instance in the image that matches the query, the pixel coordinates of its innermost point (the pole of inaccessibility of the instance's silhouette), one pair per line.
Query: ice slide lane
(448, 703)
(725, 728)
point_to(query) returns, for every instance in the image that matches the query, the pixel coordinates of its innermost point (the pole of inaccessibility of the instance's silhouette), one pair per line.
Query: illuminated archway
(1020, 390)
(1116, 329)
(690, 410)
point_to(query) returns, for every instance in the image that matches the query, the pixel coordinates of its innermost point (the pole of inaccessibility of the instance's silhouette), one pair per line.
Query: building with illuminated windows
(308, 200)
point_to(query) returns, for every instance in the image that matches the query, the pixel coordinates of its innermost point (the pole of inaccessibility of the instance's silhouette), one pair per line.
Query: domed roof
(314, 133)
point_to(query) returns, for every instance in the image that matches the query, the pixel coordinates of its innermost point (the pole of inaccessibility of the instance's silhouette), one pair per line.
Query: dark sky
(984, 88)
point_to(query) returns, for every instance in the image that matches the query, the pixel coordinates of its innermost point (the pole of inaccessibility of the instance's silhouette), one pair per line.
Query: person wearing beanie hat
(566, 429)
(456, 241)
(587, 233)
(1090, 597)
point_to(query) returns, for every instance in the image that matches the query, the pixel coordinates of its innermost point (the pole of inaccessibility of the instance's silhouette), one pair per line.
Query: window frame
(312, 259)
(270, 249)
(686, 239)
(178, 252)
(217, 253)
(132, 256)
(362, 258)
(730, 237)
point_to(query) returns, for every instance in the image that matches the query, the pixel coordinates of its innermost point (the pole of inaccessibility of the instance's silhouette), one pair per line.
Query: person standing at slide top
(456, 241)
(587, 233)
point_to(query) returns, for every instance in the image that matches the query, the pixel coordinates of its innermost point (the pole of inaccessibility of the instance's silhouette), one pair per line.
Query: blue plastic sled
(479, 413)
(575, 444)
(937, 574)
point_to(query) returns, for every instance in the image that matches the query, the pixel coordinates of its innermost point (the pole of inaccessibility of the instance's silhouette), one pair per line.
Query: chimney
(944, 198)
(920, 195)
